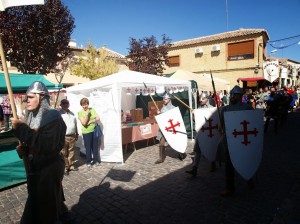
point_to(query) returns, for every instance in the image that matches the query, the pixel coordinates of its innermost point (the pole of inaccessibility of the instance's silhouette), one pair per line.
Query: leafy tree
(36, 37)
(94, 63)
(145, 55)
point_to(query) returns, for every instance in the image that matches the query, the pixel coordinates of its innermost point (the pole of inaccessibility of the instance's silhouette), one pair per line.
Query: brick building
(229, 56)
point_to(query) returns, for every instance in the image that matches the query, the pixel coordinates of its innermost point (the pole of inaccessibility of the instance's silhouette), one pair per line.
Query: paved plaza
(139, 191)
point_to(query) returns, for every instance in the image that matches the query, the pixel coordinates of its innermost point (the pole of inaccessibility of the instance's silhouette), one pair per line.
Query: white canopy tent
(203, 80)
(111, 94)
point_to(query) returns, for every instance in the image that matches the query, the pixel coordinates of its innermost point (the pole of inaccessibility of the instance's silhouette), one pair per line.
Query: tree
(94, 63)
(145, 55)
(37, 37)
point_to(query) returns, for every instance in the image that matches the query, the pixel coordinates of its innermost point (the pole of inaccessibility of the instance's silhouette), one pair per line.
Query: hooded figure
(42, 137)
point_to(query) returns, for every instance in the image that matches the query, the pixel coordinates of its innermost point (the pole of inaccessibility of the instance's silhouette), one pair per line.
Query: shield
(208, 135)
(172, 127)
(244, 133)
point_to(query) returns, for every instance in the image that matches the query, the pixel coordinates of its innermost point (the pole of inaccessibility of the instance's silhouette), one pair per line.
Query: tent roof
(203, 80)
(125, 79)
(21, 82)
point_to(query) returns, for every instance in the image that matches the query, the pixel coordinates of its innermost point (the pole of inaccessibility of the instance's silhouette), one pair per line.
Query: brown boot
(161, 155)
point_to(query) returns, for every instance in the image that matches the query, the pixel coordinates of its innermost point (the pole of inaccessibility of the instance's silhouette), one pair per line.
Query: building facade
(289, 71)
(229, 56)
(233, 56)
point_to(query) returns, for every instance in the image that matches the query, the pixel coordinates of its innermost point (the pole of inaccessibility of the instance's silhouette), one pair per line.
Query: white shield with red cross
(208, 135)
(172, 126)
(244, 133)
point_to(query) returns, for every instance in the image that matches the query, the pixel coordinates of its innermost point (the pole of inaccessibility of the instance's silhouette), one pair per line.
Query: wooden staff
(7, 80)
(152, 98)
(10, 94)
(182, 102)
(215, 92)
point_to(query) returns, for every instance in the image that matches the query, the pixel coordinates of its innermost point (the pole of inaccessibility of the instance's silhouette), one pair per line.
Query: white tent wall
(108, 96)
(127, 100)
(107, 104)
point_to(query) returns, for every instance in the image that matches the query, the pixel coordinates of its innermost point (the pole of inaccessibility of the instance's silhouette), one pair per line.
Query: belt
(70, 135)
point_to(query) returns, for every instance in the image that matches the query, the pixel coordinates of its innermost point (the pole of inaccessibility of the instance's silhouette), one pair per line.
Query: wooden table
(143, 131)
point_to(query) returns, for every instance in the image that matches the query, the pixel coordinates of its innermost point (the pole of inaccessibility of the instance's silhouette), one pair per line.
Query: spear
(181, 102)
(152, 98)
(216, 99)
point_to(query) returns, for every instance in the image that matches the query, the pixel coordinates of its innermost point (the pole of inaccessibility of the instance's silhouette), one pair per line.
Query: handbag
(97, 131)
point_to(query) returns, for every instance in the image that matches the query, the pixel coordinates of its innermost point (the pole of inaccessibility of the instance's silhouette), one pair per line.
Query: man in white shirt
(71, 136)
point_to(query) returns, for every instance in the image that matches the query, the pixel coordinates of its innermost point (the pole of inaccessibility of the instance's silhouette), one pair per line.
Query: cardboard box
(152, 109)
(137, 115)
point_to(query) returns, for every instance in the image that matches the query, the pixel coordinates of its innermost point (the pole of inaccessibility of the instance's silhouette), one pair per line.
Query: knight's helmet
(236, 90)
(203, 96)
(38, 87)
(166, 96)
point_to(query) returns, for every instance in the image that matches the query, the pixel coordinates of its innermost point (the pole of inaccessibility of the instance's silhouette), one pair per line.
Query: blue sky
(113, 22)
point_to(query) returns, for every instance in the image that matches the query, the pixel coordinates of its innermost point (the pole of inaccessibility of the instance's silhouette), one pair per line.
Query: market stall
(115, 93)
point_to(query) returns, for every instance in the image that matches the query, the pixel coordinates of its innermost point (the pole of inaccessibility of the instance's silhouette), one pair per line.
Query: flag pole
(11, 98)
(7, 80)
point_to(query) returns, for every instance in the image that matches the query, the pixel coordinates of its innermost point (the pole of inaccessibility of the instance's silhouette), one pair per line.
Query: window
(174, 61)
(241, 50)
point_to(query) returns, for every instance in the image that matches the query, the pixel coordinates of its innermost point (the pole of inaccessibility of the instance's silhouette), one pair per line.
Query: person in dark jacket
(42, 136)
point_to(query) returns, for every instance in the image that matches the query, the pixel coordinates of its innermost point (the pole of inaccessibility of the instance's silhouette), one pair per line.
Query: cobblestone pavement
(139, 191)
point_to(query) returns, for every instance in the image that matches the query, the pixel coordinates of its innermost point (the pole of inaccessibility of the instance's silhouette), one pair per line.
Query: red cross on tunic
(136, 90)
(210, 127)
(172, 126)
(245, 132)
(128, 90)
(145, 90)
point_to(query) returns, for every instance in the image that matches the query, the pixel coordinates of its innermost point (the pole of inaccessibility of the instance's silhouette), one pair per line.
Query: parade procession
(190, 130)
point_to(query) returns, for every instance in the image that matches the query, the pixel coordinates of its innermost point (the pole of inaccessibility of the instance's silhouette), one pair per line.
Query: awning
(21, 82)
(251, 79)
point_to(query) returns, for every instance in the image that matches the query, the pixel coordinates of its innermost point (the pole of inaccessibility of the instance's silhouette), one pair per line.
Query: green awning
(21, 82)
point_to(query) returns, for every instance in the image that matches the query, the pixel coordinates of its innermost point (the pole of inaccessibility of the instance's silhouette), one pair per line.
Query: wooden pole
(11, 98)
(152, 98)
(182, 102)
(215, 92)
(7, 80)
